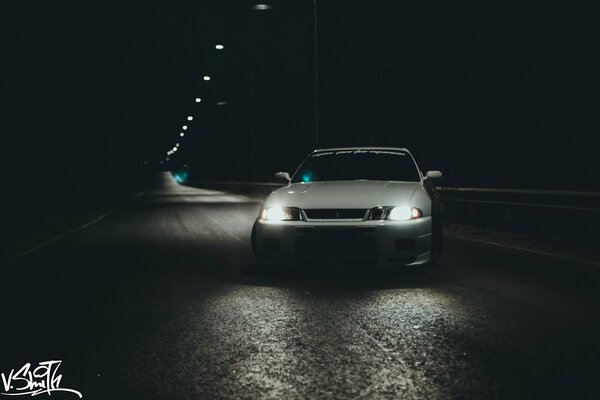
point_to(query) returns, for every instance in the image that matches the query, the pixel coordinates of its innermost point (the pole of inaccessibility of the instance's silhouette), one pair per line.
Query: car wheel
(253, 238)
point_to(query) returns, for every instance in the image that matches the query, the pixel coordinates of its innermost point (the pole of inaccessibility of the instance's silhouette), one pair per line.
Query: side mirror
(433, 175)
(283, 177)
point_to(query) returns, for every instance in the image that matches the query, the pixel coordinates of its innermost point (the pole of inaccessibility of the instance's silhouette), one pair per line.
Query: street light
(184, 127)
(189, 118)
(219, 47)
(182, 134)
(262, 7)
(198, 99)
(206, 78)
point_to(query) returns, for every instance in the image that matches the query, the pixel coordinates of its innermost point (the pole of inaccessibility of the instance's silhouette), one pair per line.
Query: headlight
(404, 213)
(396, 213)
(280, 214)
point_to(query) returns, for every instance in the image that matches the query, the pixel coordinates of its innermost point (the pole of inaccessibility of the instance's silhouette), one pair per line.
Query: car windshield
(346, 165)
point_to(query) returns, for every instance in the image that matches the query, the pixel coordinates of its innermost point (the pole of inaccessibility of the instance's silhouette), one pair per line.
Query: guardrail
(540, 214)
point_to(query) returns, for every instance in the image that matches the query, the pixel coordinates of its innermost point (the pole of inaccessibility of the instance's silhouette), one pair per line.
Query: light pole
(227, 132)
(264, 7)
(316, 73)
(252, 130)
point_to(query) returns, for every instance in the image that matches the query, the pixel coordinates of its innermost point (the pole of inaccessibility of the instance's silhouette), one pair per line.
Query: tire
(253, 239)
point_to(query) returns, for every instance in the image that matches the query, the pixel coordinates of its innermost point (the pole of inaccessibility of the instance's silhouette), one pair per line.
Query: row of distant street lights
(219, 47)
(190, 118)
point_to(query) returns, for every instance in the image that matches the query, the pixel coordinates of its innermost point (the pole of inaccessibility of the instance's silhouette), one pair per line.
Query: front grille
(346, 261)
(335, 213)
(338, 242)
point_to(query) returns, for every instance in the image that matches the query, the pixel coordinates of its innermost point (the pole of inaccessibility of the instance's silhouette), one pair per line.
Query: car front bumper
(383, 243)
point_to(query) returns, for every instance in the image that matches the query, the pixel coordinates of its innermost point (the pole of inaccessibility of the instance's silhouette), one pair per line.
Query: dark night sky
(502, 94)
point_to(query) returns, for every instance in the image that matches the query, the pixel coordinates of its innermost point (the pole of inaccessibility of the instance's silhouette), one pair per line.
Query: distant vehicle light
(262, 7)
(219, 47)
(181, 176)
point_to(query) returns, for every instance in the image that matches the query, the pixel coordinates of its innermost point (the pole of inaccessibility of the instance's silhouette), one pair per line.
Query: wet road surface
(162, 299)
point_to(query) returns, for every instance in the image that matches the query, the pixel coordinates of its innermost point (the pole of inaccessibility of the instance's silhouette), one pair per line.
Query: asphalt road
(162, 299)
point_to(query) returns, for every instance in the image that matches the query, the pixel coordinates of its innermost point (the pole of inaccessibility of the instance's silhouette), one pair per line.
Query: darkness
(147, 288)
(494, 95)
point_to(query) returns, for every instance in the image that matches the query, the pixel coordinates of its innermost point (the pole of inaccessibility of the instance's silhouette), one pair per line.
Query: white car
(352, 206)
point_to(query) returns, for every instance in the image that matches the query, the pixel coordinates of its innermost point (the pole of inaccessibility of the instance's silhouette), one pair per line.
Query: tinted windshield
(346, 165)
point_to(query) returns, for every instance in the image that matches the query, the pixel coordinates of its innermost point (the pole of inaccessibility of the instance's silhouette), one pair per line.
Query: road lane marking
(56, 238)
(533, 251)
(92, 222)
(31, 250)
(63, 235)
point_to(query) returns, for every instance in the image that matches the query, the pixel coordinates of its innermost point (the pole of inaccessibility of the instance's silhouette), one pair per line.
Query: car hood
(343, 194)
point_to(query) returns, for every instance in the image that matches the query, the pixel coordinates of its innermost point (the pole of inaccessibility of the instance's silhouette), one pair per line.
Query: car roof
(362, 148)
